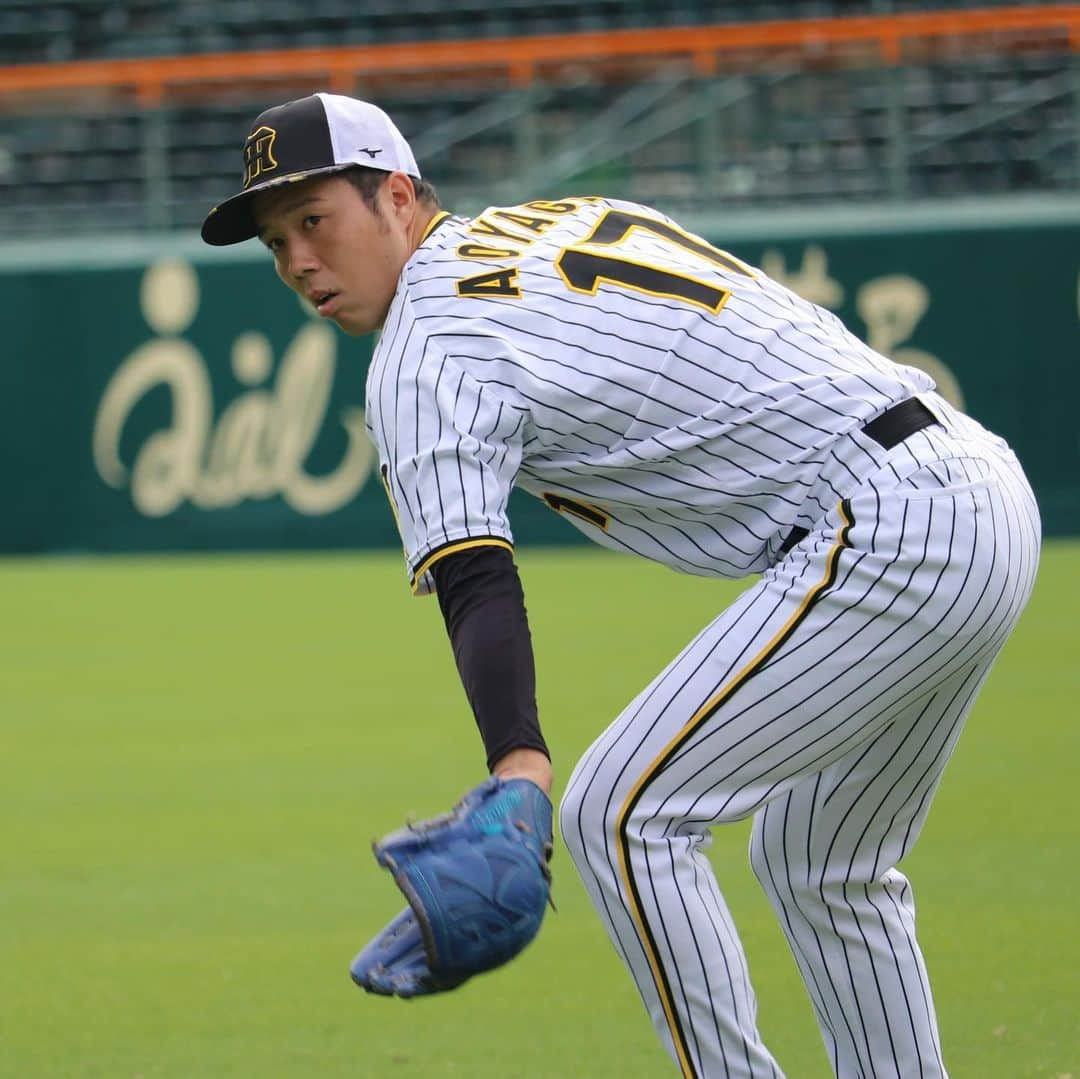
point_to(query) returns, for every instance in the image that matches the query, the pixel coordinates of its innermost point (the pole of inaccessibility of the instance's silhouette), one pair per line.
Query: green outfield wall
(158, 395)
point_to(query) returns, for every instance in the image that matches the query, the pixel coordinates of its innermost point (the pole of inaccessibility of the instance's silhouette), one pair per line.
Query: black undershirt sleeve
(483, 605)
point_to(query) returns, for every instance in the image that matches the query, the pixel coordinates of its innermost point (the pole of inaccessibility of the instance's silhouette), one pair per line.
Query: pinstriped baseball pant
(825, 703)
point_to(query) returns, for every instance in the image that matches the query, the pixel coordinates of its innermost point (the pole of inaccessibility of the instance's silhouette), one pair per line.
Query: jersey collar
(433, 224)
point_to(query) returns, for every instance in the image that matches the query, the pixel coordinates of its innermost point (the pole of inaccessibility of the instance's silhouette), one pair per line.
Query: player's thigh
(890, 599)
(689, 726)
(855, 819)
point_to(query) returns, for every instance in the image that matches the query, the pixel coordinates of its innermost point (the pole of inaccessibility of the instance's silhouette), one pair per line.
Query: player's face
(331, 248)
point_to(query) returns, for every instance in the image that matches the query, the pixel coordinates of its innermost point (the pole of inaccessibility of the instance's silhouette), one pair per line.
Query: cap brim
(232, 222)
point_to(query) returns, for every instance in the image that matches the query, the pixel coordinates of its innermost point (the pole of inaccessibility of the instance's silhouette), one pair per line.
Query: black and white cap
(312, 135)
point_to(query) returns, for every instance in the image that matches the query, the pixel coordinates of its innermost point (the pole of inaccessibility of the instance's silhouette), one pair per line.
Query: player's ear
(400, 193)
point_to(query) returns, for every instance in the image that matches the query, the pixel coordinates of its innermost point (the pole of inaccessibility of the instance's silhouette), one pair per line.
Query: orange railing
(885, 39)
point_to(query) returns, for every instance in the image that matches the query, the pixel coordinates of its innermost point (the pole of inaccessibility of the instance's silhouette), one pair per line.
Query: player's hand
(526, 764)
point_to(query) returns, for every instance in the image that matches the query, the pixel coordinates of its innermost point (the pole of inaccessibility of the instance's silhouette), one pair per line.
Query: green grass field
(196, 753)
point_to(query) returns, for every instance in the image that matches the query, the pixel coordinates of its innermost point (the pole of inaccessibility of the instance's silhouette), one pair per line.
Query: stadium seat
(997, 122)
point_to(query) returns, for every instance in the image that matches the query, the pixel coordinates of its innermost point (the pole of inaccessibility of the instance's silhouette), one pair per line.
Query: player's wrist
(525, 763)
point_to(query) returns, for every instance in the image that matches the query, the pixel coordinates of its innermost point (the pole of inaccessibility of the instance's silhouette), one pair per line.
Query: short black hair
(368, 181)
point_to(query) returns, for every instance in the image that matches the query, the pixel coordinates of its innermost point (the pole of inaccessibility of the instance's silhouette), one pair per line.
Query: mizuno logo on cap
(370, 153)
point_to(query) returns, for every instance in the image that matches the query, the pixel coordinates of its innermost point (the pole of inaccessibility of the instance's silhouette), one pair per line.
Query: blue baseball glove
(477, 882)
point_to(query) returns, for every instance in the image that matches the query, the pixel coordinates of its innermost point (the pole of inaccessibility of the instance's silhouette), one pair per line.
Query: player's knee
(775, 863)
(760, 861)
(786, 876)
(570, 810)
(581, 819)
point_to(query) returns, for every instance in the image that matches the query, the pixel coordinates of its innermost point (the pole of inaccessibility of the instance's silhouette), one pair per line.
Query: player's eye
(273, 245)
(311, 220)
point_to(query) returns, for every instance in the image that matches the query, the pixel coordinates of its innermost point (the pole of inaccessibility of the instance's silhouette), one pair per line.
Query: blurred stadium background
(914, 166)
(126, 115)
(187, 744)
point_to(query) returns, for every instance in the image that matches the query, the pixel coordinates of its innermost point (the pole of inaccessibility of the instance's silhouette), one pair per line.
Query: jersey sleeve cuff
(420, 580)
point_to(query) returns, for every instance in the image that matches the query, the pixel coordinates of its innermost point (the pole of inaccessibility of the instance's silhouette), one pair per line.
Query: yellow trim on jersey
(384, 476)
(454, 548)
(434, 223)
(575, 508)
(704, 712)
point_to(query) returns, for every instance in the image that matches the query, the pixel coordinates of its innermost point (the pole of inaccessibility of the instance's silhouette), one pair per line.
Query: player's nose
(302, 260)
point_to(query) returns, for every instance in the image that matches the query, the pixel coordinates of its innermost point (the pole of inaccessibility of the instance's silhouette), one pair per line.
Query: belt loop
(792, 539)
(896, 423)
(888, 430)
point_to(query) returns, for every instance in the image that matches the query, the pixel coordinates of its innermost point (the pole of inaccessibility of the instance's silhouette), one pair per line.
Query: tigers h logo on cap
(311, 136)
(259, 154)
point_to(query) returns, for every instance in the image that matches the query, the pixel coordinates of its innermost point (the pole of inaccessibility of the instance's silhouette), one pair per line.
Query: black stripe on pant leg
(813, 986)
(876, 871)
(709, 709)
(821, 1004)
(594, 769)
(829, 907)
(593, 772)
(712, 895)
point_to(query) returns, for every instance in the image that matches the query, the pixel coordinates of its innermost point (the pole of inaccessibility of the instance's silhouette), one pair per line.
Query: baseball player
(671, 401)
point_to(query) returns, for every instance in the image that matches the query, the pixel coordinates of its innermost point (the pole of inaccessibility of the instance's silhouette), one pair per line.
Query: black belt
(887, 430)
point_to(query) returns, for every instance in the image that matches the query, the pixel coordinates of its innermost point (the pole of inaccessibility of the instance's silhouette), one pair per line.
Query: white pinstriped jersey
(667, 398)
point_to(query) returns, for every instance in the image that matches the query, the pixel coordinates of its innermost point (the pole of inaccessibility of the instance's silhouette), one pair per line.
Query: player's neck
(421, 224)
